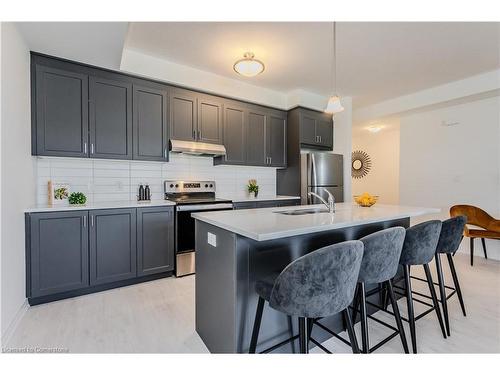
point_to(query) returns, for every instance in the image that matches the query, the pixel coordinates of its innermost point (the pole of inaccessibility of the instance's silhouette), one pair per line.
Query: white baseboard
(7, 334)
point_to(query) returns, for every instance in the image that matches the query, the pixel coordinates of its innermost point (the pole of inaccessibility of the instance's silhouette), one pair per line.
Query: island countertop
(264, 224)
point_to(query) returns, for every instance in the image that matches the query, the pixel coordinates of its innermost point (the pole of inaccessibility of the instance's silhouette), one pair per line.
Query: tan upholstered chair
(489, 226)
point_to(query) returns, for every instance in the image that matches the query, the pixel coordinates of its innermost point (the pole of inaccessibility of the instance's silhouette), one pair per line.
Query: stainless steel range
(190, 196)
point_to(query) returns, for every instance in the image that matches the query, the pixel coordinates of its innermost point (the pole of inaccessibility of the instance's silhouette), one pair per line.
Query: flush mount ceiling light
(334, 105)
(375, 128)
(248, 66)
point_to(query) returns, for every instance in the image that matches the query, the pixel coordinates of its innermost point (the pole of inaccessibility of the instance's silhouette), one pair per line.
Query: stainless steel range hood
(197, 148)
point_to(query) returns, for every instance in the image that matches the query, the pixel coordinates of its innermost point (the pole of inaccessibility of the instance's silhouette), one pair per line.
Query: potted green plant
(77, 198)
(253, 188)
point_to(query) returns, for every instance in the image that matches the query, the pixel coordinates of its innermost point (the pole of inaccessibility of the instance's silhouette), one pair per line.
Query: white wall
(118, 180)
(18, 182)
(342, 143)
(383, 149)
(445, 165)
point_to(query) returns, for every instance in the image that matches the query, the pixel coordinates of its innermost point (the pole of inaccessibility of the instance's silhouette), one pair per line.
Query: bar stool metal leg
(471, 251)
(442, 292)
(350, 331)
(290, 330)
(434, 298)
(456, 283)
(303, 335)
(364, 319)
(483, 242)
(256, 325)
(355, 304)
(411, 313)
(397, 316)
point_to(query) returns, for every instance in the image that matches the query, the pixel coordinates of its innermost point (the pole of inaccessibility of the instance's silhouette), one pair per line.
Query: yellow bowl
(366, 202)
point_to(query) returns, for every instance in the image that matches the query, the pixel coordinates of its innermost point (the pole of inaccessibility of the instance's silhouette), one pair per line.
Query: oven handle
(205, 207)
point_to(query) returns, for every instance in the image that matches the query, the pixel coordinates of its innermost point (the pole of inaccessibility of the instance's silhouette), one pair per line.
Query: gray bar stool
(379, 266)
(318, 284)
(419, 248)
(449, 240)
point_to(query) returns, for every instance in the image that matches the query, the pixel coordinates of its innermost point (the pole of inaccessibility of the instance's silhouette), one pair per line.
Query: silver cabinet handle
(320, 139)
(199, 134)
(165, 153)
(92, 220)
(85, 221)
(92, 148)
(270, 160)
(84, 147)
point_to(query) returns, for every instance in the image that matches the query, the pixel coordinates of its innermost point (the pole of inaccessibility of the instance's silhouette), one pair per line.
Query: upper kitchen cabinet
(235, 119)
(316, 128)
(59, 112)
(150, 127)
(110, 118)
(210, 119)
(276, 140)
(195, 117)
(183, 113)
(256, 138)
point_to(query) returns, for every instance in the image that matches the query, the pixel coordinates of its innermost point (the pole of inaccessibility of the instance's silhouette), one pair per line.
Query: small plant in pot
(253, 188)
(77, 198)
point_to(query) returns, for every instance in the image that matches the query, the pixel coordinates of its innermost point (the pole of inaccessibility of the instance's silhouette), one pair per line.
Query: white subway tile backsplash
(115, 180)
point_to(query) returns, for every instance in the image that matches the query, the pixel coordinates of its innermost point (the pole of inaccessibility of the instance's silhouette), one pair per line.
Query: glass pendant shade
(334, 105)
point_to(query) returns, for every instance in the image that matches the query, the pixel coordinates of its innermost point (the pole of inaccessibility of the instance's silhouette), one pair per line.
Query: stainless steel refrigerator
(321, 170)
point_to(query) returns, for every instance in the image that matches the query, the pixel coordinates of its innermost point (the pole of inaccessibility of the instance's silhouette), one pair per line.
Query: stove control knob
(176, 185)
(171, 185)
(211, 185)
(206, 185)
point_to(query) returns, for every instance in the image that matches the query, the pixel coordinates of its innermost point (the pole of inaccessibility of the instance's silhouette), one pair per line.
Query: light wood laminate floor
(158, 317)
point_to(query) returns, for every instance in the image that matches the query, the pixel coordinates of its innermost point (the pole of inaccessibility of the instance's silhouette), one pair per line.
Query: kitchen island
(234, 249)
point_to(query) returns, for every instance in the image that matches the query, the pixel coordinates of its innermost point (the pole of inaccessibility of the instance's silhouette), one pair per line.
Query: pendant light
(334, 105)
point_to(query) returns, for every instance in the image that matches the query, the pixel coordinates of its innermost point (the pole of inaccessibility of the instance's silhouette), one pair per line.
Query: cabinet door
(150, 124)
(256, 138)
(155, 240)
(209, 120)
(324, 131)
(61, 112)
(308, 129)
(267, 204)
(276, 141)
(183, 115)
(113, 254)
(110, 119)
(244, 205)
(59, 252)
(234, 134)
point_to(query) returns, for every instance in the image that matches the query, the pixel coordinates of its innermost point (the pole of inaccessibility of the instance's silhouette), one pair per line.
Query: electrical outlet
(212, 239)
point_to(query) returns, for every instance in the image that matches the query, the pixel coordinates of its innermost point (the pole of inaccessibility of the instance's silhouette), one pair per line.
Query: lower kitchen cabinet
(69, 253)
(113, 249)
(265, 204)
(58, 252)
(155, 240)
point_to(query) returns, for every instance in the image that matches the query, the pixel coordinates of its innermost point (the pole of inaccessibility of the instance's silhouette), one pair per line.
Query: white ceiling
(96, 43)
(376, 61)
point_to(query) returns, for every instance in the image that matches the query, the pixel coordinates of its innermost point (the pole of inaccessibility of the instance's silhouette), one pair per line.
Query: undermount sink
(303, 211)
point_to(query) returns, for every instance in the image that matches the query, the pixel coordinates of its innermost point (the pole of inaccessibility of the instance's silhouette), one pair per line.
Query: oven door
(184, 239)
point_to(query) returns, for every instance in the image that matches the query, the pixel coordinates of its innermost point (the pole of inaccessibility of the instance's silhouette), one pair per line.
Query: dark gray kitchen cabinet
(265, 204)
(276, 140)
(316, 128)
(113, 250)
(183, 115)
(155, 240)
(110, 118)
(210, 121)
(256, 138)
(60, 112)
(235, 119)
(195, 117)
(150, 127)
(57, 256)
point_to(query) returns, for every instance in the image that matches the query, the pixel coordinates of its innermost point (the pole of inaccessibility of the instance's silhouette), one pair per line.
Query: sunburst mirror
(361, 164)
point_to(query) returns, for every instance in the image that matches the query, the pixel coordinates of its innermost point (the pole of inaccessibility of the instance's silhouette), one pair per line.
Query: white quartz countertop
(263, 224)
(239, 199)
(100, 205)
